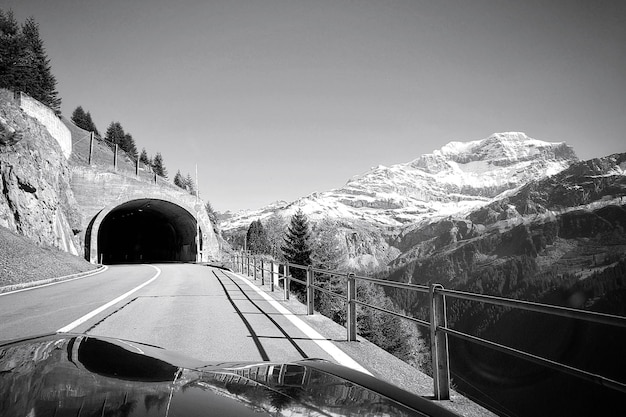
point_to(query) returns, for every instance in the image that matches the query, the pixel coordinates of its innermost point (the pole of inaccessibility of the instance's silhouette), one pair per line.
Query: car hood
(68, 374)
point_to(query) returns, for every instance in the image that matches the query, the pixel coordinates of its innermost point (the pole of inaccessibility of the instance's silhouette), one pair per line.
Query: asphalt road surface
(202, 312)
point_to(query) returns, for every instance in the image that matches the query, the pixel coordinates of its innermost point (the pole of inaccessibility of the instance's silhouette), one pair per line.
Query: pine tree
(296, 248)
(115, 133)
(178, 180)
(83, 120)
(256, 238)
(79, 117)
(158, 167)
(41, 83)
(128, 145)
(13, 62)
(143, 158)
(91, 125)
(213, 217)
(328, 253)
(189, 184)
(275, 227)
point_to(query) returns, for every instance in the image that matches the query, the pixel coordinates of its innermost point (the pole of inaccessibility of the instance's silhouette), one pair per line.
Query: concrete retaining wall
(49, 119)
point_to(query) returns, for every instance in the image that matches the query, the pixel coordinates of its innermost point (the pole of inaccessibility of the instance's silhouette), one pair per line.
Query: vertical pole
(310, 291)
(137, 167)
(254, 268)
(262, 272)
(439, 344)
(274, 275)
(115, 158)
(351, 307)
(247, 265)
(286, 281)
(90, 146)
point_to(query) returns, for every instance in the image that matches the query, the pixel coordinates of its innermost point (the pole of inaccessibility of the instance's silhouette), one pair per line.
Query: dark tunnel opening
(145, 231)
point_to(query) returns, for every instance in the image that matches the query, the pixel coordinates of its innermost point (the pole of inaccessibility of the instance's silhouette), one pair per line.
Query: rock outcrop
(36, 200)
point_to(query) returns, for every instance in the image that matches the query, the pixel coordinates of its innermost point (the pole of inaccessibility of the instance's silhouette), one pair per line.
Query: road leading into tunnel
(46, 309)
(208, 314)
(202, 312)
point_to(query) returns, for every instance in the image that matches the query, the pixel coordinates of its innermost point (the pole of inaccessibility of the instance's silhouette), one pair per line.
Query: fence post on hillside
(137, 167)
(310, 291)
(254, 268)
(262, 272)
(90, 146)
(286, 281)
(351, 307)
(439, 344)
(115, 158)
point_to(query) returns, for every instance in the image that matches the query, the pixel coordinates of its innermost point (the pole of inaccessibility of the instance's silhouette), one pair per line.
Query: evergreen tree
(12, 56)
(128, 145)
(115, 133)
(143, 158)
(84, 121)
(256, 238)
(91, 124)
(213, 217)
(296, 248)
(189, 184)
(158, 167)
(328, 253)
(40, 83)
(178, 180)
(79, 117)
(275, 230)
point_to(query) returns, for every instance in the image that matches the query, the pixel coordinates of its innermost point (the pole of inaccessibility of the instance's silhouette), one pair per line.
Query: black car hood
(71, 375)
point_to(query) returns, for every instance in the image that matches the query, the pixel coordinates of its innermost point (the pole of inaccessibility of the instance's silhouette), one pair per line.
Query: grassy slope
(22, 261)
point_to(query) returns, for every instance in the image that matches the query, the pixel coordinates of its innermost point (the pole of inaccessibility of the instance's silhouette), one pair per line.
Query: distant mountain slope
(560, 240)
(457, 178)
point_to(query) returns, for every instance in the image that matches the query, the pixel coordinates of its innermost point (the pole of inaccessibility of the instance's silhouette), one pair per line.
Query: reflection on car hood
(60, 375)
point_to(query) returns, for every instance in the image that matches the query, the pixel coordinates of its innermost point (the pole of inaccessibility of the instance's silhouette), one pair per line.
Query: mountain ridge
(455, 179)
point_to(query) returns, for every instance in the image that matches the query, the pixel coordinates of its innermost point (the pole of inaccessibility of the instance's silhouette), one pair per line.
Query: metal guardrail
(439, 331)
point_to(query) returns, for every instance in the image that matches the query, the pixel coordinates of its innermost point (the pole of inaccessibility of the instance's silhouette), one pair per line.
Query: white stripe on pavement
(87, 316)
(340, 356)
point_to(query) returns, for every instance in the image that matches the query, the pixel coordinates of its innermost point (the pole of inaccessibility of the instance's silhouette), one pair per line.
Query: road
(202, 312)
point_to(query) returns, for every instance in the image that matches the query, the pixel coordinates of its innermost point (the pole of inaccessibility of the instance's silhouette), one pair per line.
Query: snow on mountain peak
(458, 177)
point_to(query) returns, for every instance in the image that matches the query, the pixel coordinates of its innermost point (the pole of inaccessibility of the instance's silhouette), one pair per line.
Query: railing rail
(437, 324)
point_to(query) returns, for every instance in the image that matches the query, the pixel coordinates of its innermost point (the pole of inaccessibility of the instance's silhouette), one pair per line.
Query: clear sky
(276, 99)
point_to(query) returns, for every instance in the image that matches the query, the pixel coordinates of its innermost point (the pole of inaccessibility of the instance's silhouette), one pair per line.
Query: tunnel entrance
(147, 230)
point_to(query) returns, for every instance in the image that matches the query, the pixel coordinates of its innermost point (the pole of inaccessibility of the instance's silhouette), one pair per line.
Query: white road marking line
(95, 272)
(340, 356)
(87, 316)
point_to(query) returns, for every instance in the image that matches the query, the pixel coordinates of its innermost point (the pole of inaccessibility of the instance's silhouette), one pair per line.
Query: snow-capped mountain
(456, 178)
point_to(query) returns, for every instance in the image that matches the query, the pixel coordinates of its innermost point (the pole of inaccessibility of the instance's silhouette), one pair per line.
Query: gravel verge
(22, 263)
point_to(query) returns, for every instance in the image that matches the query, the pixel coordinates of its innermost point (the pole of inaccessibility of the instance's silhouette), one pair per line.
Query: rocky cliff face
(36, 199)
(389, 202)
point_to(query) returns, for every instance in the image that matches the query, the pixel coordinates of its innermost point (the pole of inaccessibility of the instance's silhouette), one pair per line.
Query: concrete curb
(39, 283)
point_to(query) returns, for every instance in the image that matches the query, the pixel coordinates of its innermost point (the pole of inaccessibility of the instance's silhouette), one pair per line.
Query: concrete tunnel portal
(148, 230)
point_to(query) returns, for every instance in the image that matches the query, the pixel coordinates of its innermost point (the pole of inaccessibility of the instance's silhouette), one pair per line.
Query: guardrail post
(351, 307)
(310, 291)
(273, 275)
(439, 344)
(247, 265)
(286, 281)
(254, 268)
(262, 272)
